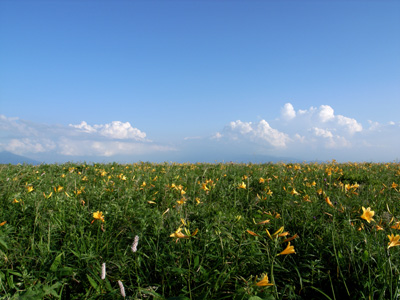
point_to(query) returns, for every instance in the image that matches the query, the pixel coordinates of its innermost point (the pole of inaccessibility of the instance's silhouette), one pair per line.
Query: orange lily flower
(394, 240)
(264, 281)
(289, 250)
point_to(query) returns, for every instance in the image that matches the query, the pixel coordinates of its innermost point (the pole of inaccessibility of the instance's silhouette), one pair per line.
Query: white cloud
(242, 127)
(115, 138)
(260, 133)
(24, 145)
(271, 135)
(108, 148)
(323, 117)
(326, 113)
(217, 136)
(314, 128)
(313, 133)
(306, 134)
(322, 132)
(114, 130)
(15, 126)
(351, 124)
(84, 127)
(288, 111)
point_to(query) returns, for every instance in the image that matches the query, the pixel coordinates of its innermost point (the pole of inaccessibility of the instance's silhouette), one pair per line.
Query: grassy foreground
(200, 231)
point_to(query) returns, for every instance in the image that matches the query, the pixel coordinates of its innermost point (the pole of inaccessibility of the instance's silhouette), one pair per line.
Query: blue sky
(200, 80)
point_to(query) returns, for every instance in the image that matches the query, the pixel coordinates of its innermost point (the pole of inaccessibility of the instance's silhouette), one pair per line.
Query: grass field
(200, 231)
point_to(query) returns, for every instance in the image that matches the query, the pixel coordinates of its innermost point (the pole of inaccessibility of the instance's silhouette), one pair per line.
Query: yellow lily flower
(367, 214)
(279, 231)
(242, 186)
(58, 189)
(263, 222)
(179, 235)
(47, 197)
(394, 240)
(283, 234)
(396, 225)
(264, 281)
(98, 215)
(289, 250)
(252, 233)
(182, 201)
(291, 238)
(204, 187)
(327, 200)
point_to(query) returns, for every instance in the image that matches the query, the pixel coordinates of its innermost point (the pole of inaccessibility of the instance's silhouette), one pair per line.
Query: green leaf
(56, 263)
(52, 289)
(10, 281)
(65, 271)
(365, 256)
(3, 243)
(14, 273)
(93, 283)
(108, 285)
(196, 261)
(33, 293)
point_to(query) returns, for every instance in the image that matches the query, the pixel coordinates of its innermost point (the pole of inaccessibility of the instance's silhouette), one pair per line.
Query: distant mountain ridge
(7, 157)
(14, 159)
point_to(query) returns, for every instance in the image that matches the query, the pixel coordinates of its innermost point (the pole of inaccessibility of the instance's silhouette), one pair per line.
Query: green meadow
(200, 231)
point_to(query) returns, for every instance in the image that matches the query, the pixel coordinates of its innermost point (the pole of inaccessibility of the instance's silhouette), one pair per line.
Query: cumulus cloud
(322, 132)
(323, 117)
(351, 124)
(326, 113)
(319, 128)
(115, 138)
(241, 127)
(261, 133)
(314, 133)
(114, 130)
(314, 128)
(288, 111)
(265, 132)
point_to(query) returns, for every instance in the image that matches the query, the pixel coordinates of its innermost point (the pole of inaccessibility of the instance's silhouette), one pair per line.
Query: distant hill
(14, 159)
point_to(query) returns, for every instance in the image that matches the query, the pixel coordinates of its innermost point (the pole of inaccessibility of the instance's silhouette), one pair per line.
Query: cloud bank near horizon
(304, 134)
(316, 133)
(103, 140)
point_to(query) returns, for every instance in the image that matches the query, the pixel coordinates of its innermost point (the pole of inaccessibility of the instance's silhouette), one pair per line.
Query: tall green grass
(224, 218)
